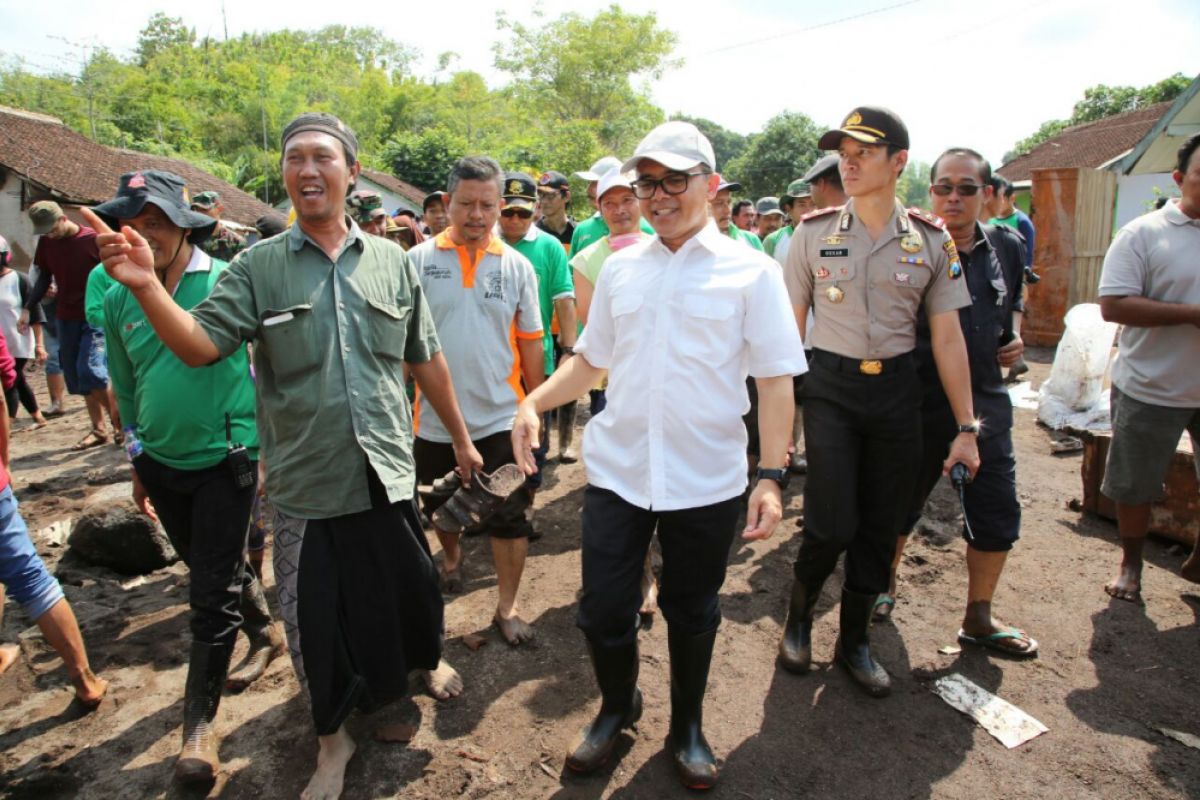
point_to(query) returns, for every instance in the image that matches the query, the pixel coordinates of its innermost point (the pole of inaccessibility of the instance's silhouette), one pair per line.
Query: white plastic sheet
(1073, 396)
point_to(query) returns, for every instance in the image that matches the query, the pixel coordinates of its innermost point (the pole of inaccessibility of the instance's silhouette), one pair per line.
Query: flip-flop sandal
(472, 506)
(442, 488)
(993, 641)
(884, 601)
(99, 439)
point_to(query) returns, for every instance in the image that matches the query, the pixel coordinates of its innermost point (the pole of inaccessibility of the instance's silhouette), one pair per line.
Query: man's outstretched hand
(126, 256)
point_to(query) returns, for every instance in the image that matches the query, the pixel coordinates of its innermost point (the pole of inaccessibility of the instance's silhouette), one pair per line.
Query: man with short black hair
(434, 210)
(1149, 286)
(554, 197)
(720, 206)
(744, 214)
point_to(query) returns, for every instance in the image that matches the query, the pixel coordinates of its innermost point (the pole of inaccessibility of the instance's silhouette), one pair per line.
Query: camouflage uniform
(224, 244)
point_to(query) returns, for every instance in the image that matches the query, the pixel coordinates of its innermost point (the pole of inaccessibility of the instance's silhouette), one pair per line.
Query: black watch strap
(780, 476)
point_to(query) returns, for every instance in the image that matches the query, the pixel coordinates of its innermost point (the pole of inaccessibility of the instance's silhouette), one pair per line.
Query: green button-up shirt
(330, 341)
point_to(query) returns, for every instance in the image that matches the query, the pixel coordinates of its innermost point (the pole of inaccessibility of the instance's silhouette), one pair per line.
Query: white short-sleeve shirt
(679, 333)
(1157, 256)
(480, 311)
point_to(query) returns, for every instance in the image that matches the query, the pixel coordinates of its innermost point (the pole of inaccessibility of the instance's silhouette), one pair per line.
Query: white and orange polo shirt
(481, 308)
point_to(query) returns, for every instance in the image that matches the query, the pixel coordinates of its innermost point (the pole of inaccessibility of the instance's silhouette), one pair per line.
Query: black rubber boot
(690, 657)
(198, 760)
(795, 646)
(266, 642)
(854, 646)
(620, 705)
(566, 434)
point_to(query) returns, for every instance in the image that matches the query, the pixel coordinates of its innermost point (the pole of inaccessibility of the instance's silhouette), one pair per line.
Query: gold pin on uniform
(911, 243)
(835, 294)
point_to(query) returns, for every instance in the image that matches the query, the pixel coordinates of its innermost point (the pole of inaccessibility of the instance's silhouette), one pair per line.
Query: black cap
(519, 190)
(553, 180)
(434, 197)
(163, 189)
(870, 125)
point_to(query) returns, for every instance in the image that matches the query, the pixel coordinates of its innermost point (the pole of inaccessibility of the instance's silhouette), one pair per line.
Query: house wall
(391, 201)
(1136, 195)
(14, 222)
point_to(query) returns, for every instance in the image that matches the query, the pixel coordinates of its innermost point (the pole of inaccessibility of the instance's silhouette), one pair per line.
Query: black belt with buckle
(863, 366)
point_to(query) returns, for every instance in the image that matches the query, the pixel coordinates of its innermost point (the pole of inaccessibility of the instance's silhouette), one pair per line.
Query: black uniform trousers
(863, 443)
(695, 547)
(207, 518)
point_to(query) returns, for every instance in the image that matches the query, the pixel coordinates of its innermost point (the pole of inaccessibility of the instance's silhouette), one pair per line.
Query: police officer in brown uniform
(865, 269)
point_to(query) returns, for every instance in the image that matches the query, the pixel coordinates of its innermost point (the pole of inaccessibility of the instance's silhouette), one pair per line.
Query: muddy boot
(566, 433)
(854, 645)
(620, 705)
(198, 761)
(690, 657)
(795, 646)
(265, 640)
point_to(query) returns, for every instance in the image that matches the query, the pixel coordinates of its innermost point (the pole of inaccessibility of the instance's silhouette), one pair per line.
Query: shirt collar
(442, 241)
(297, 237)
(199, 262)
(1175, 215)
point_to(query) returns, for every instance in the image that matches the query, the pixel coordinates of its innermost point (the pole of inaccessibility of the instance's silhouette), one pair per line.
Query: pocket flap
(391, 309)
(626, 304)
(695, 305)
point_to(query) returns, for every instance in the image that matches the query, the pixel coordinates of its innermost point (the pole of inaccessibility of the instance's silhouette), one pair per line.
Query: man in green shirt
(556, 295)
(721, 209)
(594, 227)
(180, 424)
(335, 316)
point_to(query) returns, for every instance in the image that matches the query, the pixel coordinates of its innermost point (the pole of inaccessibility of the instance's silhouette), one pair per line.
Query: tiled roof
(77, 170)
(1089, 145)
(396, 186)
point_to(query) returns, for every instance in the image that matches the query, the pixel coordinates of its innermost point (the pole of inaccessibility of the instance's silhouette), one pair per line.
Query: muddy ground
(1109, 676)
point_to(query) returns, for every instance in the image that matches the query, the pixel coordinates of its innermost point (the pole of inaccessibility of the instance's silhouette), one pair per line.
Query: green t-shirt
(749, 238)
(549, 261)
(589, 260)
(98, 284)
(772, 239)
(593, 229)
(177, 410)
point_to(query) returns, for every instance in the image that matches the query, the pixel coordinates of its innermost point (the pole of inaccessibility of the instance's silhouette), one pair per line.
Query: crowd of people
(724, 344)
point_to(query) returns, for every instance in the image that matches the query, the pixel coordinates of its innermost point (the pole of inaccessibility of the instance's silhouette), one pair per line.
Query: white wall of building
(15, 225)
(1136, 195)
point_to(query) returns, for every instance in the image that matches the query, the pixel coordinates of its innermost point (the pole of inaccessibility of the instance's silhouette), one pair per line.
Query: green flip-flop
(884, 601)
(994, 641)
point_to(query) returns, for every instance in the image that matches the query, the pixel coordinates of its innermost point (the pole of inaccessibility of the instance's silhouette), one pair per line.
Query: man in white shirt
(679, 320)
(1150, 284)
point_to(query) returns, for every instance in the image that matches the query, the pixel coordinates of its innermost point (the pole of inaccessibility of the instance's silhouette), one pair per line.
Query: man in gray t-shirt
(1151, 285)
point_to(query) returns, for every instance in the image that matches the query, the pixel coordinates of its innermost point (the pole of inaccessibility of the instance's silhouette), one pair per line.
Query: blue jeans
(81, 356)
(22, 571)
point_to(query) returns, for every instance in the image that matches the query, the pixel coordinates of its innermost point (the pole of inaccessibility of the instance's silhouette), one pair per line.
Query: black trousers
(21, 391)
(206, 517)
(992, 507)
(862, 438)
(695, 548)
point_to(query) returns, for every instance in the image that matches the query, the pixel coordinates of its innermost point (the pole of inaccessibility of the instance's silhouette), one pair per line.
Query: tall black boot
(620, 705)
(206, 677)
(266, 642)
(566, 433)
(690, 657)
(795, 646)
(854, 645)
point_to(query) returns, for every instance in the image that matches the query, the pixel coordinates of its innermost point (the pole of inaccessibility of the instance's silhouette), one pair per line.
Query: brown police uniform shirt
(865, 294)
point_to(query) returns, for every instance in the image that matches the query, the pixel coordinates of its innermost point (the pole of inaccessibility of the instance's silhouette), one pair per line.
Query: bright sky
(958, 72)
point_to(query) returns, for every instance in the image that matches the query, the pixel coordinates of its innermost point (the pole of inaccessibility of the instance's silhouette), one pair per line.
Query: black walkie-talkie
(239, 460)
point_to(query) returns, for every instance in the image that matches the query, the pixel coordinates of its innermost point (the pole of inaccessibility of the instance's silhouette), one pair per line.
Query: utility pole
(224, 20)
(266, 152)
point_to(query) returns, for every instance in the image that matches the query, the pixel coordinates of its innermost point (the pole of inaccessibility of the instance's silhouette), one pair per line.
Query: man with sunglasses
(993, 258)
(679, 320)
(556, 296)
(864, 270)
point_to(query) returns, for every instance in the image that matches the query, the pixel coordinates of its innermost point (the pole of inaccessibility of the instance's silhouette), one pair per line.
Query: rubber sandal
(471, 506)
(883, 601)
(99, 439)
(451, 580)
(993, 642)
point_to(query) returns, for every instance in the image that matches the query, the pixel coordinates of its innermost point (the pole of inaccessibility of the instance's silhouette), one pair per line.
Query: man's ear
(714, 180)
(901, 160)
(1177, 176)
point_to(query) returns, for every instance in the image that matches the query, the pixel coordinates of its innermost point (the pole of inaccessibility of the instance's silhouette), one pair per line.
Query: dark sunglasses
(523, 213)
(963, 189)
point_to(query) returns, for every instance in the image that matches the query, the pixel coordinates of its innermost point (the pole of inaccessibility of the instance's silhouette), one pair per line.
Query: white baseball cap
(676, 145)
(599, 169)
(613, 179)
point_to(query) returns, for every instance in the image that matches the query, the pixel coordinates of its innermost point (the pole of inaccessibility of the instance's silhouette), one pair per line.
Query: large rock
(112, 533)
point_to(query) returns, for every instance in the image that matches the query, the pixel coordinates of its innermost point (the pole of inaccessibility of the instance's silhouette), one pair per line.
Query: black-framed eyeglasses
(671, 183)
(963, 189)
(523, 213)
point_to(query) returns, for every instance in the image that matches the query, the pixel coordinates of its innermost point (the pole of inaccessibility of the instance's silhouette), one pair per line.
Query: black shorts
(435, 459)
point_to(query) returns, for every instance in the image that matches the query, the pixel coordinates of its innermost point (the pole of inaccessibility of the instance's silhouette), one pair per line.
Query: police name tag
(835, 252)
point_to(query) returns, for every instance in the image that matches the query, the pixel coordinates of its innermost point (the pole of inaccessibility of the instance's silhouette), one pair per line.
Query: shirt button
(341, 305)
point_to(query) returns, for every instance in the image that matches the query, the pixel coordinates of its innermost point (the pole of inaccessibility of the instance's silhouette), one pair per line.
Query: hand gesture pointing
(126, 255)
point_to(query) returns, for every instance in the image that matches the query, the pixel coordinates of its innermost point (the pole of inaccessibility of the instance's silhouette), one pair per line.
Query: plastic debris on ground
(1009, 724)
(1074, 396)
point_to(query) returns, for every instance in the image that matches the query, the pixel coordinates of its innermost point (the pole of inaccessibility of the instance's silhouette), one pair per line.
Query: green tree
(162, 33)
(424, 159)
(913, 186)
(786, 147)
(727, 144)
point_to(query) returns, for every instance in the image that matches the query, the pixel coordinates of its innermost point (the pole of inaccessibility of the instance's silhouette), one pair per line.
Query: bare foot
(1127, 585)
(326, 783)
(515, 630)
(89, 689)
(649, 595)
(9, 653)
(451, 577)
(444, 682)
(1191, 567)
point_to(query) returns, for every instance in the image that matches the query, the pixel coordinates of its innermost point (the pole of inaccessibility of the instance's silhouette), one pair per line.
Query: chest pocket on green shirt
(389, 329)
(291, 342)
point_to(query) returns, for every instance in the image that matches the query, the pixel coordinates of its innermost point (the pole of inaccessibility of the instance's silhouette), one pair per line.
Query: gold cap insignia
(854, 119)
(514, 187)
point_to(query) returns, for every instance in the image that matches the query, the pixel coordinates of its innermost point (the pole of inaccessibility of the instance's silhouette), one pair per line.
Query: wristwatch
(971, 428)
(780, 476)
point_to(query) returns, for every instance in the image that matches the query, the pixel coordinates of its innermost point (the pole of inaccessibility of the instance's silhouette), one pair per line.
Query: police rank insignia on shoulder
(952, 254)
(927, 217)
(911, 242)
(820, 212)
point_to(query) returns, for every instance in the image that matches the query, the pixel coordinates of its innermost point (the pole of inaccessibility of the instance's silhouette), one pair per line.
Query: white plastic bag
(1073, 396)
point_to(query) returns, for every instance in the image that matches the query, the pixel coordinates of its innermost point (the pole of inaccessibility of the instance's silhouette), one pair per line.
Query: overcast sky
(981, 75)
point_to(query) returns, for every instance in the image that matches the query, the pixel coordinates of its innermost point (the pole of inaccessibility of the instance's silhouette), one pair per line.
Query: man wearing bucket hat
(335, 316)
(191, 439)
(685, 314)
(225, 241)
(67, 253)
(594, 228)
(864, 271)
